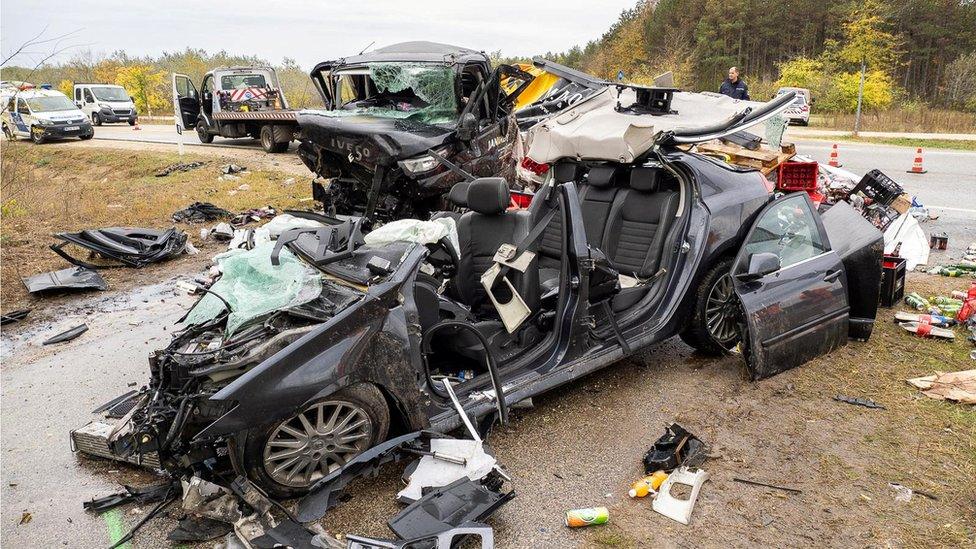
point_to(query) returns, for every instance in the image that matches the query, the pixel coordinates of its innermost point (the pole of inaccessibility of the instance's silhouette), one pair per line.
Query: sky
(305, 30)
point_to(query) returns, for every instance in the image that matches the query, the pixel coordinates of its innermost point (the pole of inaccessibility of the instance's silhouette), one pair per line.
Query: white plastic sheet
(414, 230)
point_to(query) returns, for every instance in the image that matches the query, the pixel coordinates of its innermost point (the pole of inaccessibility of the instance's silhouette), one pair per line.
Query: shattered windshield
(109, 93)
(422, 92)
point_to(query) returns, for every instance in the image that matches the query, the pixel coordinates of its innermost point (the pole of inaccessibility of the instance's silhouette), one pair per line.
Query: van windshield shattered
(422, 92)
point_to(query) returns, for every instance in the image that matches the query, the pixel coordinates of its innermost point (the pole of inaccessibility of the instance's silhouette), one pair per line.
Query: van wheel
(96, 120)
(713, 328)
(288, 457)
(268, 142)
(203, 134)
(37, 137)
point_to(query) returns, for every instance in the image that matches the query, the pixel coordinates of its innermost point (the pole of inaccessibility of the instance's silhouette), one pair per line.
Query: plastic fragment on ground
(67, 335)
(956, 386)
(72, 278)
(680, 509)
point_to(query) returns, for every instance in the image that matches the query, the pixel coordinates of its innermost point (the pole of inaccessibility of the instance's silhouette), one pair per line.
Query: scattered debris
(578, 518)
(230, 169)
(866, 402)
(179, 167)
(934, 320)
(127, 246)
(928, 330)
(956, 386)
(14, 316)
(756, 483)
(67, 335)
(254, 214)
(648, 485)
(25, 518)
(200, 212)
(675, 448)
(222, 231)
(902, 493)
(680, 509)
(130, 494)
(72, 278)
(447, 508)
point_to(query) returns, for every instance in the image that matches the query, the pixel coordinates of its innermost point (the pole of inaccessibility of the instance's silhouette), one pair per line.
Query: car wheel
(86, 137)
(288, 457)
(268, 142)
(96, 120)
(203, 134)
(37, 137)
(132, 121)
(714, 325)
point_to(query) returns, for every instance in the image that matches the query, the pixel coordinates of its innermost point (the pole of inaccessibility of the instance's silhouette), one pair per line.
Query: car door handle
(831, 275)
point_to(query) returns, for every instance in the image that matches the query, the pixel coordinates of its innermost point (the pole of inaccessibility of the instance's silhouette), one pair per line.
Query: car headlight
(105, 107)
(422, 163)
(45, 122)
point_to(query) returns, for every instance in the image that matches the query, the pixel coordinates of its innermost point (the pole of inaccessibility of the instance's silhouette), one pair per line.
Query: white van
(42, 115)
(105, 103)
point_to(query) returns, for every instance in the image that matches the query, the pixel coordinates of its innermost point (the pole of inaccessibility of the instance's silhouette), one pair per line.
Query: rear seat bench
(627, 221)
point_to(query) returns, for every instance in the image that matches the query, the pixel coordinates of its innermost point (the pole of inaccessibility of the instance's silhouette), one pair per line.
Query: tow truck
(236, 102)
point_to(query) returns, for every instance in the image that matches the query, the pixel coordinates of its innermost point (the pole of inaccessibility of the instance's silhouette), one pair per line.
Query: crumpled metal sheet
(72, 278)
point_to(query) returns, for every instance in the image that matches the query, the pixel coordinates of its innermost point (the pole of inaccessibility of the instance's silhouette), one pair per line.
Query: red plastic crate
(798, 176)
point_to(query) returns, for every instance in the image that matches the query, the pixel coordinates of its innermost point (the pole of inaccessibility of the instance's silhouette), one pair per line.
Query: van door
(21, 118)
(186, 101)
(792, 287)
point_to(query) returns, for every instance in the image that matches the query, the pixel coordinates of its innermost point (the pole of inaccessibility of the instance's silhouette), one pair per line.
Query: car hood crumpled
(594, 129)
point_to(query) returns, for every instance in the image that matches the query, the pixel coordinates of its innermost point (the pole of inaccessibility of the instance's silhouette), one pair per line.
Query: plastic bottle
(648, 484)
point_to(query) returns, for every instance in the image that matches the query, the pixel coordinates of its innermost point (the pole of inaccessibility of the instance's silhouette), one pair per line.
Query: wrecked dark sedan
(313, 348)
(390, 114)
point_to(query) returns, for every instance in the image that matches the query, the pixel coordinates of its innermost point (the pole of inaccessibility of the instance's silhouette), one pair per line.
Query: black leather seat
(480, 232)
(635, 232)
(596, 193)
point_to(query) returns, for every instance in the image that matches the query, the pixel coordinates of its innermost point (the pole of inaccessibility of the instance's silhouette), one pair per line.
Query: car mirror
(760, 265)
(467, 127)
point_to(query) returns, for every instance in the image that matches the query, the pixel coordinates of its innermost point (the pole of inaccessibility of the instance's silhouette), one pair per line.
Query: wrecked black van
(392, 112)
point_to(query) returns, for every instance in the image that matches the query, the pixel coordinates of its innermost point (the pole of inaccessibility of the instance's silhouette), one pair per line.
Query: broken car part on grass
(67, 335)
(72, 278)
(123, 246)
(200, 212)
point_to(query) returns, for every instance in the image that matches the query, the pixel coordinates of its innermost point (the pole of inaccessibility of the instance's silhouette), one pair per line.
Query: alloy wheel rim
(721, 309)
(316, 442)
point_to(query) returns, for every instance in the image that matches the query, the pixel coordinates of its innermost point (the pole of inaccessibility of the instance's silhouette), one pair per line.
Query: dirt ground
(69, 187)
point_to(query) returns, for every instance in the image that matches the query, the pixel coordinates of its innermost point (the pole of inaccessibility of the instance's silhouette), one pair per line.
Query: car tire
(362, 401)
(37, 138)
(86, 137)
(698, 334)
(132, 121)
(203, 134)
(269, 140)
(96, 120)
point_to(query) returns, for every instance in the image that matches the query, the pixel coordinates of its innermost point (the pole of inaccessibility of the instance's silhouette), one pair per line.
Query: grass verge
(948, 144)
(48, 189)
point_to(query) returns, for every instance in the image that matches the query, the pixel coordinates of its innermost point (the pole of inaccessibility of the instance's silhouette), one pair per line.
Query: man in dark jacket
(734, 87)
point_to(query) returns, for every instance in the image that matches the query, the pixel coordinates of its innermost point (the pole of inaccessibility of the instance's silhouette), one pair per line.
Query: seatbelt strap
(616, 329)
(534, 234)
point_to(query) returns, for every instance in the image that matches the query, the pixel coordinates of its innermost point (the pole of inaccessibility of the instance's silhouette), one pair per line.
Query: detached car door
(792, 287)
(186, 101)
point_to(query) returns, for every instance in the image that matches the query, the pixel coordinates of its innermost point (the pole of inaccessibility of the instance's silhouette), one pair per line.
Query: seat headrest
(600, 176)
(488, 195)
(645, 179)
(459, 194)
(564, 171)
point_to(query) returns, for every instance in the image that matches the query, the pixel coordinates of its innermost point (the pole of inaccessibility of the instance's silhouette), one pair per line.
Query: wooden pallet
(764, 160)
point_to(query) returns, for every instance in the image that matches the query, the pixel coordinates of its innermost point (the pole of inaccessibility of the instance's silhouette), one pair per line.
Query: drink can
(577, 518)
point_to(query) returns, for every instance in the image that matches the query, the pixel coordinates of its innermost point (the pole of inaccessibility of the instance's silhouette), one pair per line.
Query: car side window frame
(22, 107)
(818, 241)
(89, 97)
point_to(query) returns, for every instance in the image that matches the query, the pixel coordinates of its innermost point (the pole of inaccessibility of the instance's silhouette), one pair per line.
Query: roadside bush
(960, 82)
(841, 95)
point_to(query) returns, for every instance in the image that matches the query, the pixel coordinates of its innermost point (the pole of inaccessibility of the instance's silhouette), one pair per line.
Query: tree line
(915, 50)
(147, 79)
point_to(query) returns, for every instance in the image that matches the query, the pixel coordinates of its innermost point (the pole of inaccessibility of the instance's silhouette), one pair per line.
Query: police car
(42, 115)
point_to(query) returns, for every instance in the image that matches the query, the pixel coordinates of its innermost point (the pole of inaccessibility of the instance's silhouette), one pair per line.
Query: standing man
(734, 87)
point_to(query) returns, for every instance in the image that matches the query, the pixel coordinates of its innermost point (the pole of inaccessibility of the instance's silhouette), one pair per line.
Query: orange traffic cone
(833, 157)
(917, 165)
